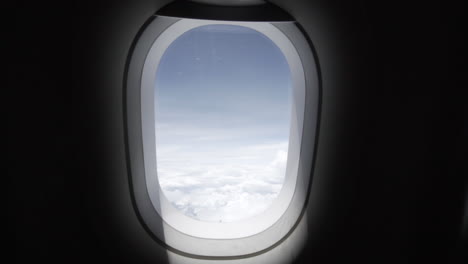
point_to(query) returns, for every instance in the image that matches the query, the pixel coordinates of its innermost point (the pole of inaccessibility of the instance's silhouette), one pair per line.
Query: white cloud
(226, 183)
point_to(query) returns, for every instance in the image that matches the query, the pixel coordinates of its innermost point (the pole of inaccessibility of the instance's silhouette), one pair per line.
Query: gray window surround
(165, 223)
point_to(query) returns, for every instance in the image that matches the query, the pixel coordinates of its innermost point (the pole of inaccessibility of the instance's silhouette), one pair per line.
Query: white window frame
(167, 224)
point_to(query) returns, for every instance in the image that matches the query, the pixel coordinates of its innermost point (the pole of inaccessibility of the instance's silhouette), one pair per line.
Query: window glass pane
(223, 109)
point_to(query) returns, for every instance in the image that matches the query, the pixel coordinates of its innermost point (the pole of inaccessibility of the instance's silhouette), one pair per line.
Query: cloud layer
(222, 186)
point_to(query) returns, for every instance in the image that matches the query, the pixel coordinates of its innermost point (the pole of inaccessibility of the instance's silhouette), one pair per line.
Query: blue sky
(223, 99)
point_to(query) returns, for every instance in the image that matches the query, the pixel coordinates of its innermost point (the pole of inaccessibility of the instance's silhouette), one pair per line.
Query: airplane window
(215, 112)
(223, 100)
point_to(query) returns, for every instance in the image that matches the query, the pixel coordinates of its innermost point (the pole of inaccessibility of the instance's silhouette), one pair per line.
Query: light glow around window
(145, 110)
(223, 116)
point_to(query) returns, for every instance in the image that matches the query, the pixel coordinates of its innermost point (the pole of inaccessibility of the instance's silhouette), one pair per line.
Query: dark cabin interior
(392, 144)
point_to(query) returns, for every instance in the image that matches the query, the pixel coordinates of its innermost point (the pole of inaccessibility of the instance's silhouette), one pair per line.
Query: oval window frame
(263, 219)
(161, 219)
